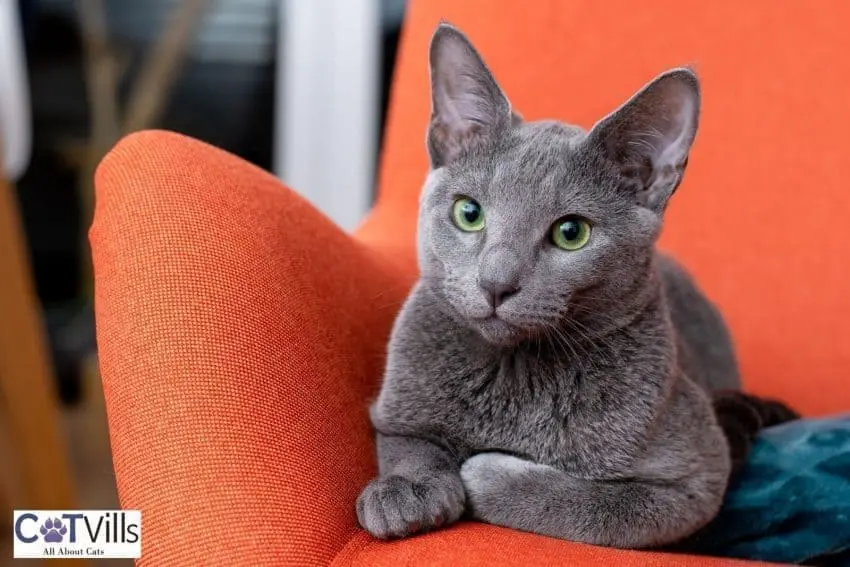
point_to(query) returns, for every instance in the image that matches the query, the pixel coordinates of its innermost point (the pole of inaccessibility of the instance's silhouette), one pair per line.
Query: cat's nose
(497, 292)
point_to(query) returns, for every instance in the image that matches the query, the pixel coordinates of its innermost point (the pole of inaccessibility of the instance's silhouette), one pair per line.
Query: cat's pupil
(570, 230)
(470, 212)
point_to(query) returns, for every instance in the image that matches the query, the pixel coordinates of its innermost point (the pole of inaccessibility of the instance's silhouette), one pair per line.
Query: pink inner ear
(445, 139)
(462, 85)
(461, 99)
(453, 140)
(657, 125)
(467, 103)
(679, 125)
(452, 67)
(649, 137)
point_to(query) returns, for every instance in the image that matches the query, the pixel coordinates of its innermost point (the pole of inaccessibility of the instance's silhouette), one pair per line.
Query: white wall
(327, 107)
(15, 116)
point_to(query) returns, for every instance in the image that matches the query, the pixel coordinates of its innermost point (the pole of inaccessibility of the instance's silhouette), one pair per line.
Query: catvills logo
(58, 534)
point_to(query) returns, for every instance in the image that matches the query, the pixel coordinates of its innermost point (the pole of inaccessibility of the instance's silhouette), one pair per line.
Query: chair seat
(472, 544)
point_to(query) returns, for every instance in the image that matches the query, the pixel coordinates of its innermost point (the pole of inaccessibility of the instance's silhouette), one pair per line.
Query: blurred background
(249, 76)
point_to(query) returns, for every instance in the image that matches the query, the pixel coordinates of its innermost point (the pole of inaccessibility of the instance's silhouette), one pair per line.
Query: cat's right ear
(467, 106)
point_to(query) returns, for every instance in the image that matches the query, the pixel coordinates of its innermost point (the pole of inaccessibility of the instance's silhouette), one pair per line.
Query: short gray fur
(579, 406)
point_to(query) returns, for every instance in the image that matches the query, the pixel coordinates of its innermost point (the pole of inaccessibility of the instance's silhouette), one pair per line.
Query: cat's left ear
(649, 137)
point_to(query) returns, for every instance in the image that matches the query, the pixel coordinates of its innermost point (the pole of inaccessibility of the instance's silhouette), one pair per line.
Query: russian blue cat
(551, 371)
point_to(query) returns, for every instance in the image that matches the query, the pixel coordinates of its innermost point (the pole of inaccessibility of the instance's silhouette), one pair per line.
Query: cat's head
(526, 226)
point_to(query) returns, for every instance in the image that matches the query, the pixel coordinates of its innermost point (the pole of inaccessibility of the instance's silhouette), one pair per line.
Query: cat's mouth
(497, 330)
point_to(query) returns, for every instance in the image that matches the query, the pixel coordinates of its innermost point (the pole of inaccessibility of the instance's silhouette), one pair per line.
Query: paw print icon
(53, 530)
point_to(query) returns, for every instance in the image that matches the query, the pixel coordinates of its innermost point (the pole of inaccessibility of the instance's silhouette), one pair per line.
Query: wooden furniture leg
(27, 398)
(5, 509)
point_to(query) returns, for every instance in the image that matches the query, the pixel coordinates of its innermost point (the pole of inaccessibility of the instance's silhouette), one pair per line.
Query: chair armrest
(240, 336)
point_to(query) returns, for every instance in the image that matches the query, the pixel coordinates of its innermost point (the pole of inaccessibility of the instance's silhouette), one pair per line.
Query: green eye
(468, 215)
(570, 233)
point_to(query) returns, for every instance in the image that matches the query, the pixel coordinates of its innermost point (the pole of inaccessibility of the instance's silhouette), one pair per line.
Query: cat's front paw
(485, 470)
(493, 479)
(393, 506)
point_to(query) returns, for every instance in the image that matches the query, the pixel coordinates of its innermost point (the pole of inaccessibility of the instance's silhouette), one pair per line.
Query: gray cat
(551, 371)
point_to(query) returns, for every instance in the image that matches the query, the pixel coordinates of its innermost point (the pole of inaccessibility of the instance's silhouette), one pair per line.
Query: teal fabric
(791, 501)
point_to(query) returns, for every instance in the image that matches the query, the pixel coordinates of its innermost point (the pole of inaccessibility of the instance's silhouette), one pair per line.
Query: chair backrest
(762, 216)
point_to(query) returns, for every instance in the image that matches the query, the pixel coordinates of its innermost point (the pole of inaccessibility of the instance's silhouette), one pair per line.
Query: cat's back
(706, 352)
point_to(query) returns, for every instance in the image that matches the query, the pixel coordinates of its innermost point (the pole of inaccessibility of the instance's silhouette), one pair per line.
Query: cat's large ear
(467, 106)
(649, 137)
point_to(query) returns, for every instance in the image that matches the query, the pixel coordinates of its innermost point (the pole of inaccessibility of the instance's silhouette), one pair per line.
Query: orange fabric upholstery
(241, 334)
(489, 546)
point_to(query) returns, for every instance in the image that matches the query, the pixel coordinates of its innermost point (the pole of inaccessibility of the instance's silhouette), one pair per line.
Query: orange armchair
(242, 334)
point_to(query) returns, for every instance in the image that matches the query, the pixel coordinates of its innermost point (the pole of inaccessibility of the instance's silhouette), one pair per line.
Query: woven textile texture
(241, 334)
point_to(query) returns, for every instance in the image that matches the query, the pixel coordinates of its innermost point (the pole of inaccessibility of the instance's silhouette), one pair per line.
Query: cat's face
(529, 228)
(513, 235)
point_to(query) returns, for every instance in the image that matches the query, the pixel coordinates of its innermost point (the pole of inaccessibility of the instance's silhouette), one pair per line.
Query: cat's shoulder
(680, 288)
(425, 347)
(670, 268)
(677, 283)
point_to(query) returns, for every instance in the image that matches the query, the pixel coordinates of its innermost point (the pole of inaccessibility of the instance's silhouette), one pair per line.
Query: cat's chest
(518, 405)
(514, 418)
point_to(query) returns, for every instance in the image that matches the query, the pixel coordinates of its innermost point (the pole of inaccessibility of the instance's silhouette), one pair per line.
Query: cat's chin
(498, 332)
